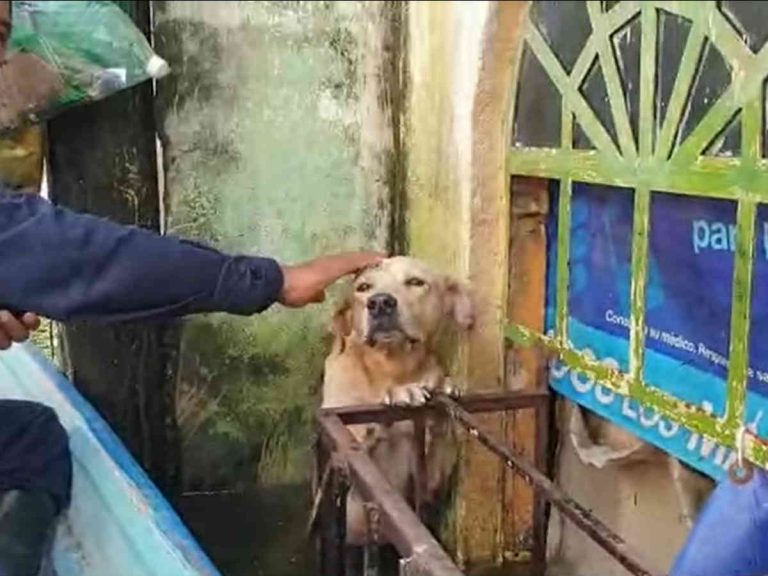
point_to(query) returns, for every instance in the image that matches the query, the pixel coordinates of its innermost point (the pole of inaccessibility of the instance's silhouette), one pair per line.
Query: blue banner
(688, 310)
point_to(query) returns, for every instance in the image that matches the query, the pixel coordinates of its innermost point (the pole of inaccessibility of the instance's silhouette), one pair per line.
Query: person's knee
(31, 409)
(50, 422)
(35, 482)
(34, 450)
(34, 416)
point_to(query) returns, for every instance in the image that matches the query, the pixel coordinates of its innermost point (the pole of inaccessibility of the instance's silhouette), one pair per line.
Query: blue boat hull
(118, 524)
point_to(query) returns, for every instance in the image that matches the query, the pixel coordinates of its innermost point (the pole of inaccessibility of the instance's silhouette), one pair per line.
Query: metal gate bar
(474, 404)
(422, 554)
(580, 516)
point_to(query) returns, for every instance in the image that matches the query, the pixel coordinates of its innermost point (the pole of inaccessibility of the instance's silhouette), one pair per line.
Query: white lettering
(668, 429)
(626, 408)
(720, 455)
(580, 385)
(649, 422)
(604, 395)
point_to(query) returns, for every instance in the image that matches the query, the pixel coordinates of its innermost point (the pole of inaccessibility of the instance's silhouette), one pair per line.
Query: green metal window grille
(606, 134)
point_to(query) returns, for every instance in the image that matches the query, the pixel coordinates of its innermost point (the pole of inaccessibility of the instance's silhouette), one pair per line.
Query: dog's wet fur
(384, 351)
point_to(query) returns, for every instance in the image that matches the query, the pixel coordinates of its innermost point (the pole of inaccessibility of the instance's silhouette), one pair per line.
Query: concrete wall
(460, 62)
(271, 147)
(278, 140)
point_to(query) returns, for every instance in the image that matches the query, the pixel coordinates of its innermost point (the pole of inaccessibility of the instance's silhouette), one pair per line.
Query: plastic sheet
(730, 537)
(72, 53)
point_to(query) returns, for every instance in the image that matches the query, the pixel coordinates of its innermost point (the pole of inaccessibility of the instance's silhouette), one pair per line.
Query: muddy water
(253, 534)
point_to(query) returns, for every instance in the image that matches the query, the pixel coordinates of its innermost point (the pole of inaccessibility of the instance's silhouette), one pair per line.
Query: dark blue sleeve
(66, 266)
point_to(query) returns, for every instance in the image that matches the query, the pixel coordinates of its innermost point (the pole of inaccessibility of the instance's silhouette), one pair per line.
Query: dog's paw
(408, 395)
(451, 388)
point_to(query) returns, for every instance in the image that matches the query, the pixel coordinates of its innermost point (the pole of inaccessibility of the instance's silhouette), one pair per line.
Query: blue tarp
(730, 537)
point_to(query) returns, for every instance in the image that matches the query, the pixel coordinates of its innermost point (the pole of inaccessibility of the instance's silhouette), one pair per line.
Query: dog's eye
(363, 287)
(415, 282)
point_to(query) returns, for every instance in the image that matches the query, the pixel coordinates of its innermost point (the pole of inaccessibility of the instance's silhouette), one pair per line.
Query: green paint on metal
(719, 30)
(752, 119)
(612, 81)
(640, 225)
(564, 235)
(609, 377)
(622, 13)
(746, 85)
(709, 177)
(738, 356)
(663, 165)
(563, 242)
(587, 118)
(683, 84)
(648, 46)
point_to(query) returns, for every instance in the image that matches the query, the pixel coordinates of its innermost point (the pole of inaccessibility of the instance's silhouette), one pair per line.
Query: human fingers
(31, 321)
(12, 327)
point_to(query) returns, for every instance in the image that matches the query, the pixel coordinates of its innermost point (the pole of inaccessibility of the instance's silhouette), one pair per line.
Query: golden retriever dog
(384, 351)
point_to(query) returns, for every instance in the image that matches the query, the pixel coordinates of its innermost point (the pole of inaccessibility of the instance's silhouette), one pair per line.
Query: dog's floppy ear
(341, 324)
(459, 305)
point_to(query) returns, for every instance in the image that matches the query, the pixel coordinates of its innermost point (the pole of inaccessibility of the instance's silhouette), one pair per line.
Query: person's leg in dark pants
(35, 481)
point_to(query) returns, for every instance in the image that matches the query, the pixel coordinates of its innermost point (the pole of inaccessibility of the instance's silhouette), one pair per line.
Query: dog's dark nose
(380, 305)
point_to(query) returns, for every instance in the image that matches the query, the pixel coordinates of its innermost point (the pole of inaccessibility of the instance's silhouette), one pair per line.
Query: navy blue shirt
(66, 266)
(69, 266)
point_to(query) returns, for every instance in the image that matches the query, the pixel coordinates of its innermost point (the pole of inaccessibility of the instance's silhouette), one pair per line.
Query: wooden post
(103, 160)
(494, 522)
(525, 367)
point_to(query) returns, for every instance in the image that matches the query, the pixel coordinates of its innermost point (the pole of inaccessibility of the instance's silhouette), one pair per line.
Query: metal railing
(344, 462)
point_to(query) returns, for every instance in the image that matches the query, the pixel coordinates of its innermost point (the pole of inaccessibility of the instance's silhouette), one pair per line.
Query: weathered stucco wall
(438, 204)
(278, 139)
(262, 135)
(458, 209)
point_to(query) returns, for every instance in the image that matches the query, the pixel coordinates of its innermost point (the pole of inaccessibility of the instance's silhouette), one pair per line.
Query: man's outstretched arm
(66, 265)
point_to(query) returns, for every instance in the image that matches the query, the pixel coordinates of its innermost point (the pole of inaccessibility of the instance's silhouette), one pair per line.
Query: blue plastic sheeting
(730, 537)
(118, 523)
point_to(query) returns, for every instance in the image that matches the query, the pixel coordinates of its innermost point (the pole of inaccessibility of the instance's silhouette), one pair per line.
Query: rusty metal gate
(345, 463)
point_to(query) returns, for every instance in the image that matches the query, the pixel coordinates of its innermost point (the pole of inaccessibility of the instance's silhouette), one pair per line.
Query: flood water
(256, 533)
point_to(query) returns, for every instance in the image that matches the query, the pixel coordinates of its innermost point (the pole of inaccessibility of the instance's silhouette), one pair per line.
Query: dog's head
(400, 302)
